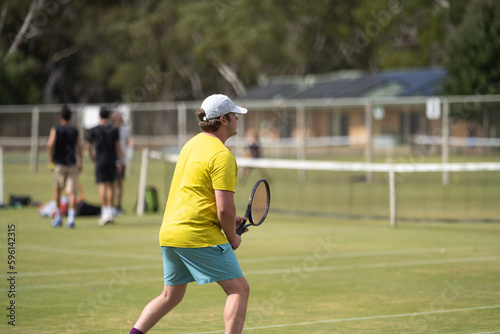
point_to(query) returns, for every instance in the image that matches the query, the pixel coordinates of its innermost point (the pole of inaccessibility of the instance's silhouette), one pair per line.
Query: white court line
(373, 253)
(86, 271)
(122, 271)
(68, 251)
(362, 318)
(487, 332)
(381, 265)
(248, 260)
(123, 282)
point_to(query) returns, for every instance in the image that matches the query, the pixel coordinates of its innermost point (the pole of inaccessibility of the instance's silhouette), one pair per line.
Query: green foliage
(473, 51)
(103, 51)
(18, 80)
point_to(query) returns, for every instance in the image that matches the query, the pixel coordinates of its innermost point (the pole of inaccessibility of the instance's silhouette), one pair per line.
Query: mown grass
(308, 274)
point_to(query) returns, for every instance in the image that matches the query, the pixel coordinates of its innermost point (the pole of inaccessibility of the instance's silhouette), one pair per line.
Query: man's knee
(173, 299)
(246, 287)
(173, 294)
(243, 288)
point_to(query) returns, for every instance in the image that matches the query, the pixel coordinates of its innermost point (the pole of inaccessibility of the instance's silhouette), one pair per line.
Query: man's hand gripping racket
(258, 206)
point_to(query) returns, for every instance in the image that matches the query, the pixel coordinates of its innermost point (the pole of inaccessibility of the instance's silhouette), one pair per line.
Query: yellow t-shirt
(190, 218)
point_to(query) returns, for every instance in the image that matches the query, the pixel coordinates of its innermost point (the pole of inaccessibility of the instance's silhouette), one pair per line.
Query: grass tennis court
(307, 274)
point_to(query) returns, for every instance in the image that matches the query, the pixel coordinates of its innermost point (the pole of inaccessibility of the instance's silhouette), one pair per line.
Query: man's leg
(106, 212)
(118, 194)
(119, 187)
(57, 221)
(71, 185)
(109, 194)
(160, 306)
(71, 209)
(57, 197)
(102, 194)
(237, 291)
(72, 200)
(109, 199)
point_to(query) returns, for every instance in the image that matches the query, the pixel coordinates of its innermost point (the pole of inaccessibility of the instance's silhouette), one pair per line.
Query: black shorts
(105, 173)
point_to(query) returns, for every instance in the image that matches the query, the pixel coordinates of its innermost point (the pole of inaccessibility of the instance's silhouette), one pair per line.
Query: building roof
(411, 82)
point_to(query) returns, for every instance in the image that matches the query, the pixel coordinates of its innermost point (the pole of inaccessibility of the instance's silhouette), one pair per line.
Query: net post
(35, 119)
(392, 196)
(445, 150)
(142, 182)
(181, 124)
(130, 149)
(240, 137)
(369, 137)
(301, 125)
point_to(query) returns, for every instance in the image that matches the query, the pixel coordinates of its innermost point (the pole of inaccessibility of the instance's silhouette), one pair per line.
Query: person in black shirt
(126, 145)
(103, 145)
(65, 160)
(254, 152)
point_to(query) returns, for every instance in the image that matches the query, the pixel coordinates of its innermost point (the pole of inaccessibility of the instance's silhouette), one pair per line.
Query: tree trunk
(35, 4)
(232, 78)
(48, 90)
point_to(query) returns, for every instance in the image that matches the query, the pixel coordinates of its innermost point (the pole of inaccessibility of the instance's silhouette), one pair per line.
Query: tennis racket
(258, 206)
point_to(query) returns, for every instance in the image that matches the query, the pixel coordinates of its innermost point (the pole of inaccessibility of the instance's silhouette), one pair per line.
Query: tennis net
(397, 192)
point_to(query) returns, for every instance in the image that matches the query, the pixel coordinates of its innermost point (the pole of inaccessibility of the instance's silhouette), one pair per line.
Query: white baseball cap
(217, 105)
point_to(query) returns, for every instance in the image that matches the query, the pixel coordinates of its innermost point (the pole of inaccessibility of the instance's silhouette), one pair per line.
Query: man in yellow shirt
(198, 233)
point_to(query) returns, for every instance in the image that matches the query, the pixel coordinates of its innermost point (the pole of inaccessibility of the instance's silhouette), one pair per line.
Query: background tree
(18, 80)
(473, 51)
(159, 50)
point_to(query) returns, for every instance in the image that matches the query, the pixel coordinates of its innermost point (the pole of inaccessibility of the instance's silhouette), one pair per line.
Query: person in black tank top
(65, 160)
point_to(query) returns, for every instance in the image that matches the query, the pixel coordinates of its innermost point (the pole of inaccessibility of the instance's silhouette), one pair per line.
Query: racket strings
(260, 204)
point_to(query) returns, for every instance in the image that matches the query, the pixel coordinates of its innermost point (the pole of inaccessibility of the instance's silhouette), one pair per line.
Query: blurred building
(391, 122)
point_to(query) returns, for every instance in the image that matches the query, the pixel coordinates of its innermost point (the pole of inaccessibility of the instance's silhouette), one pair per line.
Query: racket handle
(240, 229)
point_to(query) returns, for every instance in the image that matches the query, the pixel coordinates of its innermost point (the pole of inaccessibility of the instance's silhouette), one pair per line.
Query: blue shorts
(203, 265)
